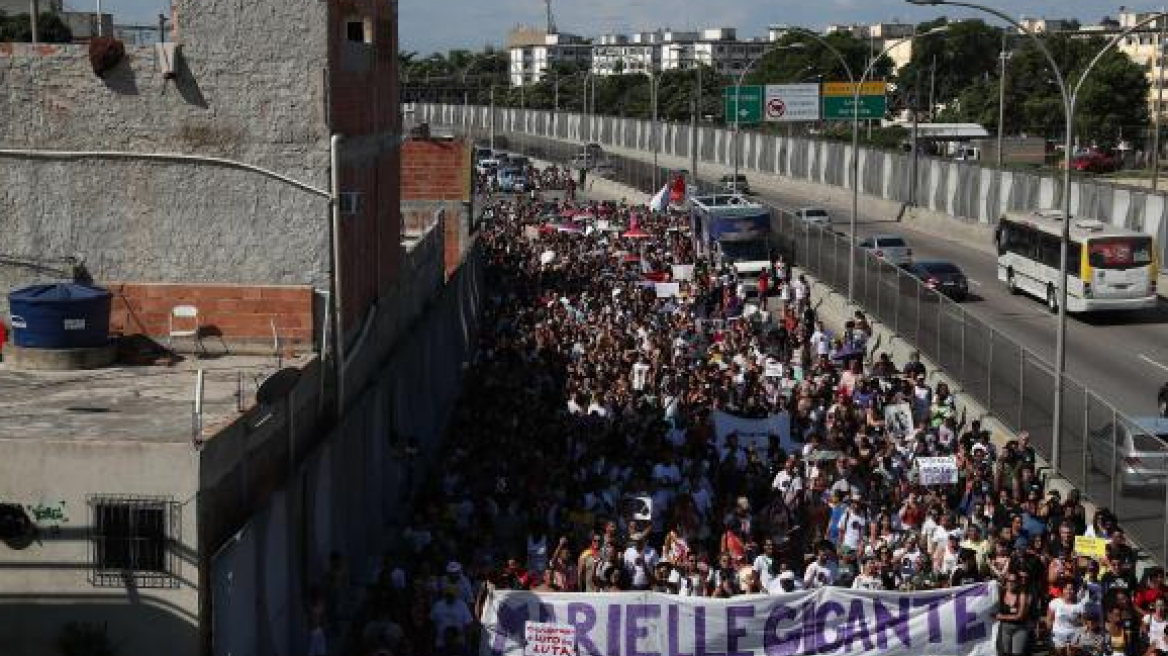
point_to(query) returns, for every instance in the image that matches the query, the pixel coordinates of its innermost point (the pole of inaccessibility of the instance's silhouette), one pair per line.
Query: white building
(1041, 25)
(530, 62)
(1145, 49)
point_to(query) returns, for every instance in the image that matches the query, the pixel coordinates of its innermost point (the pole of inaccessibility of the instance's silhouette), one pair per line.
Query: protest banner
(840, 621)
(941, 470)
(755, 432)
(1091, 547)
(547, 639)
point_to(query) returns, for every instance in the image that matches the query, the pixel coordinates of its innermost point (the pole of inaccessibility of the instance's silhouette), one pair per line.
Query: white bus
(1109, 268)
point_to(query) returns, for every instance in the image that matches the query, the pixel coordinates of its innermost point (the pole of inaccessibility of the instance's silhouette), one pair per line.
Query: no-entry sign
(792, 102)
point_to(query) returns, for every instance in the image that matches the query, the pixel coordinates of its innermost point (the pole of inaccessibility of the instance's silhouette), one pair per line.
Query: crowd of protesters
(583, 456)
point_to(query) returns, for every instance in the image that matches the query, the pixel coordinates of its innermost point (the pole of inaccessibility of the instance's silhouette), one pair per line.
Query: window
(355, 31)
(350, 202)
(130, 541)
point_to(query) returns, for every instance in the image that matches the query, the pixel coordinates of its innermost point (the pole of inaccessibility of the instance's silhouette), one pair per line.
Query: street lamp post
(1005, 57)
(855, 162)
(1069, 99)
(654, 87)
(466, 92)
(738, 97)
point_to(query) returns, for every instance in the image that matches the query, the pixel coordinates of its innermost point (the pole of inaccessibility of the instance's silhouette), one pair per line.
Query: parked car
(890, 248)
(481, 154)
(1162, 401)
(512, 180)
(1139, 451)
(1094, 162)
(816, 216)
(735, 184)
(487, 166)
(942, 277)
(519, 161)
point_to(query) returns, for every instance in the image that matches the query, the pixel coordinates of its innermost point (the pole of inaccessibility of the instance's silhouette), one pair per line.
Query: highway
(1122, 357)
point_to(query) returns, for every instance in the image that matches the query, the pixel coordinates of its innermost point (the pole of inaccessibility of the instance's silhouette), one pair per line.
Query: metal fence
(1014, 384)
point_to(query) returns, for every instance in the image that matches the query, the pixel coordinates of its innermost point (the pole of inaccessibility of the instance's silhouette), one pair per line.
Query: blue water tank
(60, 316)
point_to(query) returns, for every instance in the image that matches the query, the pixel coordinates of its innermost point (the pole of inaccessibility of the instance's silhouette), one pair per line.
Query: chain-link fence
(1112, 460)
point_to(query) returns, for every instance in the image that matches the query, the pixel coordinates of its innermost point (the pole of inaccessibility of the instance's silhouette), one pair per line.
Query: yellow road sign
(838, 89)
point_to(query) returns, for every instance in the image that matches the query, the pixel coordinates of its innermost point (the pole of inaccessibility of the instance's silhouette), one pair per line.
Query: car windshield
(814, 212)
(744, 251)
(891, 242)
(1120, 252)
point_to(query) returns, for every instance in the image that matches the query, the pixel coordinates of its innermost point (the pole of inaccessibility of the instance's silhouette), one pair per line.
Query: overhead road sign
(839, 101)
(792, 102)
(743, 104)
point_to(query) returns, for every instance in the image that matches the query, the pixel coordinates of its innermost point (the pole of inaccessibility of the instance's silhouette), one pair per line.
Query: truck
(730, 229)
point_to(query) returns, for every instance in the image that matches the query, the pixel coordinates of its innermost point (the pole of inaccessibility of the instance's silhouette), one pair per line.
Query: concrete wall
(245, 90)
(967, 192)
(45, 584)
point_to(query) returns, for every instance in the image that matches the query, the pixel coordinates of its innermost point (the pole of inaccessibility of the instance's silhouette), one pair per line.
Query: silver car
(816, 216)
(890, 248)
(1139, 451)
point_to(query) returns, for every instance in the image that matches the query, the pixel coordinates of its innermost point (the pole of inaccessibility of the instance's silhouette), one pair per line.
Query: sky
(440, 25)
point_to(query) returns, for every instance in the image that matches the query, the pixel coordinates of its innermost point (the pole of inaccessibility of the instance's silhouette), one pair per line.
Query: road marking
(1153, 362)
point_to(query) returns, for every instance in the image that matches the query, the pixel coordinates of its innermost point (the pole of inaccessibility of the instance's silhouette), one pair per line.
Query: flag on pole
(661, 200)
(679, 191)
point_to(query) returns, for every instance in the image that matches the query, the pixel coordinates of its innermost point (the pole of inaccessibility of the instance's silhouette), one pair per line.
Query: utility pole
(694, 119)
(1158, 67)
(932, 88)
(1005, 57)
(915, 108)
(34, 16)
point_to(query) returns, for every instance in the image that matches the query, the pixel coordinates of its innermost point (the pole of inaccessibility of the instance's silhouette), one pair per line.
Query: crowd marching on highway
(601, 444)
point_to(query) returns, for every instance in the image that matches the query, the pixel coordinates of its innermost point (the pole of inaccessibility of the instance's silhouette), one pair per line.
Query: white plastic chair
(187, 325)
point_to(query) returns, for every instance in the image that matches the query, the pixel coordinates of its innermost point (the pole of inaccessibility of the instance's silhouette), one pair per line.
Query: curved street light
(855, 159)
(738, 95)
(1070, 97)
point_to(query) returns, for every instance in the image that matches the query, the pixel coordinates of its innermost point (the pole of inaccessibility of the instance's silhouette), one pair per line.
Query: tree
(1112, 103)
(950, 62)
(799, 57)
(18, 28)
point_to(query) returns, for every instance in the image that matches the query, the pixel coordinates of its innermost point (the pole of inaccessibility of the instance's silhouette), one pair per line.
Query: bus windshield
(744, 251)
(1120, 252)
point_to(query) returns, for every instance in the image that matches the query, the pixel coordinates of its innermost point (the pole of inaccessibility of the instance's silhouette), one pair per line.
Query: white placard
(941, 470)
(683, 272)
(547, 639)
(668, 289)
(785, 103)
(898, 419)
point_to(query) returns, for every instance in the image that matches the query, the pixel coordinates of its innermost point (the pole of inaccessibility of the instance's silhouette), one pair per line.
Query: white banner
(683, 272)
(785, 103)
(755, 432)
(838, 621)
(668, 289)
(941, 470)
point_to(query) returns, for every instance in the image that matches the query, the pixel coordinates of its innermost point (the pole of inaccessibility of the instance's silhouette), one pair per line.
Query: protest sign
(898, 419)
(941, 470)
(840, 621)
(547, 639)
(683, 272)
(1091, 547)
(638, 507)
(668, 289)
(754, 432)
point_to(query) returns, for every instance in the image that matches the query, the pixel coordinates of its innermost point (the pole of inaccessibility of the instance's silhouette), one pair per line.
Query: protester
(633, 420)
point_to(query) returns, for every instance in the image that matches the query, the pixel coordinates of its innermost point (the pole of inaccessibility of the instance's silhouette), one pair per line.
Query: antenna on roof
(551, 19)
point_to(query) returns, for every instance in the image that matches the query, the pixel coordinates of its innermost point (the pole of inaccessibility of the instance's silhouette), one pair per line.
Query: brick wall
(241, 315)
(436, 170)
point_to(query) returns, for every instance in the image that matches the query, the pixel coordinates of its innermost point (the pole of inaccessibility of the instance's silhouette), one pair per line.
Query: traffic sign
(742, 104)
(792, 102)
(839, 101)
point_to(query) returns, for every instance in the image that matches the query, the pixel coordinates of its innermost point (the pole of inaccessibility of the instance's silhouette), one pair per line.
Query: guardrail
(1012, 382)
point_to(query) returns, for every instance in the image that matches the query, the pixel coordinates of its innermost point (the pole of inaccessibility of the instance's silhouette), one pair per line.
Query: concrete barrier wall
(968, 192)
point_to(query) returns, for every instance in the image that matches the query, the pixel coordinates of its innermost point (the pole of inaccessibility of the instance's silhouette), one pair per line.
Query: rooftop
(131, 403)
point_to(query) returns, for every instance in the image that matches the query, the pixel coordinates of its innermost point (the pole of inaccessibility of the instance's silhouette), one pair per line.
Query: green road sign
(746, 104)
(841, 108)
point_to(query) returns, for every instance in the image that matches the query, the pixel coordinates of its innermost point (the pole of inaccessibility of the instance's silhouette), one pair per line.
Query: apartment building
(533, 59)
(1146, 48)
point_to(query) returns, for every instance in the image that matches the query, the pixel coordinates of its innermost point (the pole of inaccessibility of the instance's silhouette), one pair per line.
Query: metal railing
(1013, 383)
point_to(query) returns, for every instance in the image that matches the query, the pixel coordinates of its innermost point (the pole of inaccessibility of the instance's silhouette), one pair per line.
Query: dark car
(943, 277)
(1162, 401)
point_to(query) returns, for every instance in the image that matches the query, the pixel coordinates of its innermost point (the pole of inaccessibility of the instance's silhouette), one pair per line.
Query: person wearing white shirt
(766, 565)
(868, 578)
(821, 573)
(640, 560)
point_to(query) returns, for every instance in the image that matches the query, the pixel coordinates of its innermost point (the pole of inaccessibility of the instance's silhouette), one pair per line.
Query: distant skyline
(440, 25)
